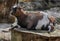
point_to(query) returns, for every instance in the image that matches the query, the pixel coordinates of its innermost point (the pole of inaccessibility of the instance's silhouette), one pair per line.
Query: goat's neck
(22, 16)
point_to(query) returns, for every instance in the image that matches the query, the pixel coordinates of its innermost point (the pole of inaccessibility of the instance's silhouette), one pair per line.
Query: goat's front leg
(51, 27)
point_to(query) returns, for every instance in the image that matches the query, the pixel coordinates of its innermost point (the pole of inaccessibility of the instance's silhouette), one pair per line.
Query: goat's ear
(52, 19)
(22, 9)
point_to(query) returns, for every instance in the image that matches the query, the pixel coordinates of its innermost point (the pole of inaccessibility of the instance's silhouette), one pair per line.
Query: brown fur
(30, 20)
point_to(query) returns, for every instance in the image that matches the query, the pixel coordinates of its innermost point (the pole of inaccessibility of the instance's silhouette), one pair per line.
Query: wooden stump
(25, 35)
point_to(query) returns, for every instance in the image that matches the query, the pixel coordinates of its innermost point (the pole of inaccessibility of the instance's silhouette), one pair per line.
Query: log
(26, 35)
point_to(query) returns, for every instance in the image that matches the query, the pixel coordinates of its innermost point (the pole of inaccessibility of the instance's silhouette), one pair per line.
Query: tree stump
(25, 35)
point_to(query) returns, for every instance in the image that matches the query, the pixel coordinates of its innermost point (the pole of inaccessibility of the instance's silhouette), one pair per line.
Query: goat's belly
(41, 23)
